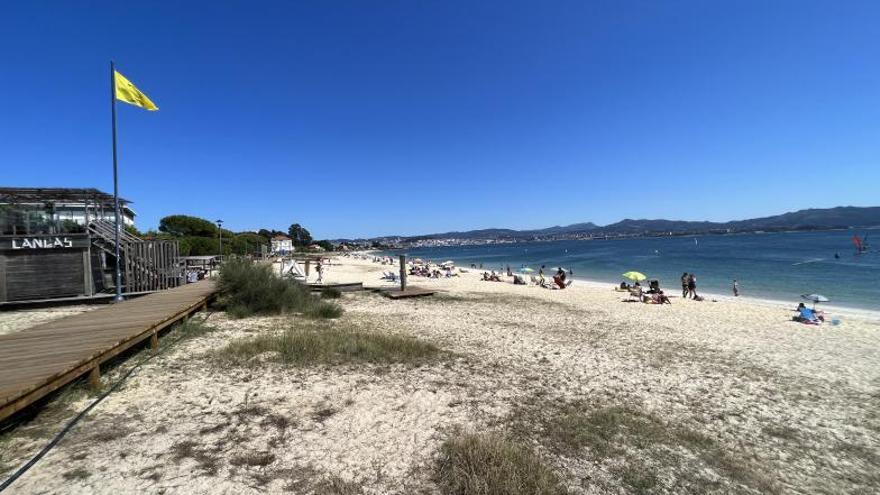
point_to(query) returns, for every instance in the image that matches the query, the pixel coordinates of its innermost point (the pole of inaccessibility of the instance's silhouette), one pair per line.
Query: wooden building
(46, 255)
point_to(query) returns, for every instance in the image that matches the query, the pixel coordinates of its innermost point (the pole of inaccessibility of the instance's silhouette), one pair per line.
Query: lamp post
(220, 233)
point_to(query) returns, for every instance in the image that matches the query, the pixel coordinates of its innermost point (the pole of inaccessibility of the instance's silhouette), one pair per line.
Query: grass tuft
(490, 464)
(247, 289)
(648, 446)
(305, 346)
(331, 293)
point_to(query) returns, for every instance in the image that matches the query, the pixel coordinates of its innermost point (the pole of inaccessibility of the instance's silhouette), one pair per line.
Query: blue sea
(775, 266)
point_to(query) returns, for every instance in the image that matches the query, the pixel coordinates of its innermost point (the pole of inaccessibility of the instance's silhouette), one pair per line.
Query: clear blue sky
(406, 117)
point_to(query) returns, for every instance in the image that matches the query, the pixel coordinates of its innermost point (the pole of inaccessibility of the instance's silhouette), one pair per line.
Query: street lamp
(220, 233)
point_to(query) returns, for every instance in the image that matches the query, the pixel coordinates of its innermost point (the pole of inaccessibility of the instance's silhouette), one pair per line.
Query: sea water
(776, 266)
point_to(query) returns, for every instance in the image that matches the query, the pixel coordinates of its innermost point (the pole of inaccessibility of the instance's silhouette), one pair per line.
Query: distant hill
(840, 217)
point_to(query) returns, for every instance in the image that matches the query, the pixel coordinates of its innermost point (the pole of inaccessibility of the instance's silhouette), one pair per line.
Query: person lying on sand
(656, 298)
(808, 315)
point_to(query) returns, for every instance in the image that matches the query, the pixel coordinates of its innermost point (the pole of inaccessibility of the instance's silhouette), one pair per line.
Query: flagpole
(115, 182)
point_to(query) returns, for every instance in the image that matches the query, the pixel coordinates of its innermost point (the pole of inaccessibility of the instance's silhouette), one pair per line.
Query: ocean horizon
(768, 266)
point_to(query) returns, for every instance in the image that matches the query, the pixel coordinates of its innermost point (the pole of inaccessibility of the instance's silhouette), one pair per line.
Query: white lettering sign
(42, 243)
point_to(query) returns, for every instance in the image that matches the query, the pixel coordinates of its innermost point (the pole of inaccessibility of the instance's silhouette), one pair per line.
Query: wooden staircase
(147, 265)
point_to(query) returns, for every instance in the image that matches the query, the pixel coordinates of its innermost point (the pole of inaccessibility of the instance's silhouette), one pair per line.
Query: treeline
(200, 237)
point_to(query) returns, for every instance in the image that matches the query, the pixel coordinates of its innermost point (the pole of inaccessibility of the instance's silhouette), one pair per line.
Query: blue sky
(401, 117)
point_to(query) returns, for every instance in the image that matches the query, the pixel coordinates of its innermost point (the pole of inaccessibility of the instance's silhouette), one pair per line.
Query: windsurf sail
(860, 245)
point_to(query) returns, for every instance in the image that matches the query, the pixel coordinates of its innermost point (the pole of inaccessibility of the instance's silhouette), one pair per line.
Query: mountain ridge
(807, 219)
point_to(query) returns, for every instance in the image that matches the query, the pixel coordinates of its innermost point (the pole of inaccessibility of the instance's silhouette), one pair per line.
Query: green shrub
(490, 464)
(247, 288)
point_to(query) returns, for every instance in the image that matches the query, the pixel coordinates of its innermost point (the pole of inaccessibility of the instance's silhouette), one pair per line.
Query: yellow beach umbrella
(634, 276)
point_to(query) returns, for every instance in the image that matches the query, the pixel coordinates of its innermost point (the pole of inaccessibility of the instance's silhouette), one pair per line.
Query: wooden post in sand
(402, 272)
(307, 270)
(95, 378)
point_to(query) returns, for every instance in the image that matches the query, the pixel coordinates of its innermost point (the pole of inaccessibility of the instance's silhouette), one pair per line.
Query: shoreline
(842, 310)
(869, 314)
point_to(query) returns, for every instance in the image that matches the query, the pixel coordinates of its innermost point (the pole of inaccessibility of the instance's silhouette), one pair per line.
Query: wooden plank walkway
(409, 292)
(39, 360)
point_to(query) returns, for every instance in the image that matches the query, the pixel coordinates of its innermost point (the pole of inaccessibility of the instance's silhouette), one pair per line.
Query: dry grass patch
(76, 474)
(253, 459)
(642, 449)
(308, 344)
(188, 449)
(491, 464)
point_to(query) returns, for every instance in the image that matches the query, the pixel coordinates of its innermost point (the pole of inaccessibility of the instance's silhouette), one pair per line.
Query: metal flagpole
(115, 183)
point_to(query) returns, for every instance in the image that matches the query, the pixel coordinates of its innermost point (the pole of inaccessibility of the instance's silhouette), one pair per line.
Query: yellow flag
(127, 92)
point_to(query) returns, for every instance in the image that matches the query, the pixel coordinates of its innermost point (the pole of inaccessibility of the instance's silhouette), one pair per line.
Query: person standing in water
(735, 288)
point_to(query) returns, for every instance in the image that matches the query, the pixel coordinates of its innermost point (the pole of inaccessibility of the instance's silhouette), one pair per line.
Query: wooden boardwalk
(39, 360)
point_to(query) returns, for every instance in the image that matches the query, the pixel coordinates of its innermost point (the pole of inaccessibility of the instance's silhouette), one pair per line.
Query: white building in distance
(281, 244)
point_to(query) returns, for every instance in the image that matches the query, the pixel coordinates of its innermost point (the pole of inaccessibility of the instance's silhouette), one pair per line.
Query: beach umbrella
(418, 261)
(447, 262)
(526, 269)
(816, 298)
(634, 276)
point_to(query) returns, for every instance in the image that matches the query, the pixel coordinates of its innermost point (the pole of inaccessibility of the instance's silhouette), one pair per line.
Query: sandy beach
(732, 397)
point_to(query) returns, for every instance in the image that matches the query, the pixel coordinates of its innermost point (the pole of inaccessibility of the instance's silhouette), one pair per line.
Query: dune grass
(247, 289)
(307, 344)
(649, 446)
(491, 464)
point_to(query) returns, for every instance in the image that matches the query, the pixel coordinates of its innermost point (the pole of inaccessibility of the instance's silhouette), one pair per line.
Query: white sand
(735, 370)
(15, 321)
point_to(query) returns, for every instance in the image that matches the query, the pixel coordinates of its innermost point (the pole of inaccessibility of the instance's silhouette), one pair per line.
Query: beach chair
(635, 294)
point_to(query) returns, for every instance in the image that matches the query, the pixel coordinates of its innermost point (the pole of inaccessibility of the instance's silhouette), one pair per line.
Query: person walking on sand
(735, 288)
(684, 284)
(692, 286)
(320, 269)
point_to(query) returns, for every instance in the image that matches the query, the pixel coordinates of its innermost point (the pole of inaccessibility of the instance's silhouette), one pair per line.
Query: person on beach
(684, 284)
(735, 288)
(541, 280)
(509, 274)
(320, 269)
(692, 286)
(807, 315)
(559, 278)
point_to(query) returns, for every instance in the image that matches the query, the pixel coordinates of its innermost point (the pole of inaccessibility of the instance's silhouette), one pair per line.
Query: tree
(185, 225)
(299, 235)
(246, 243)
